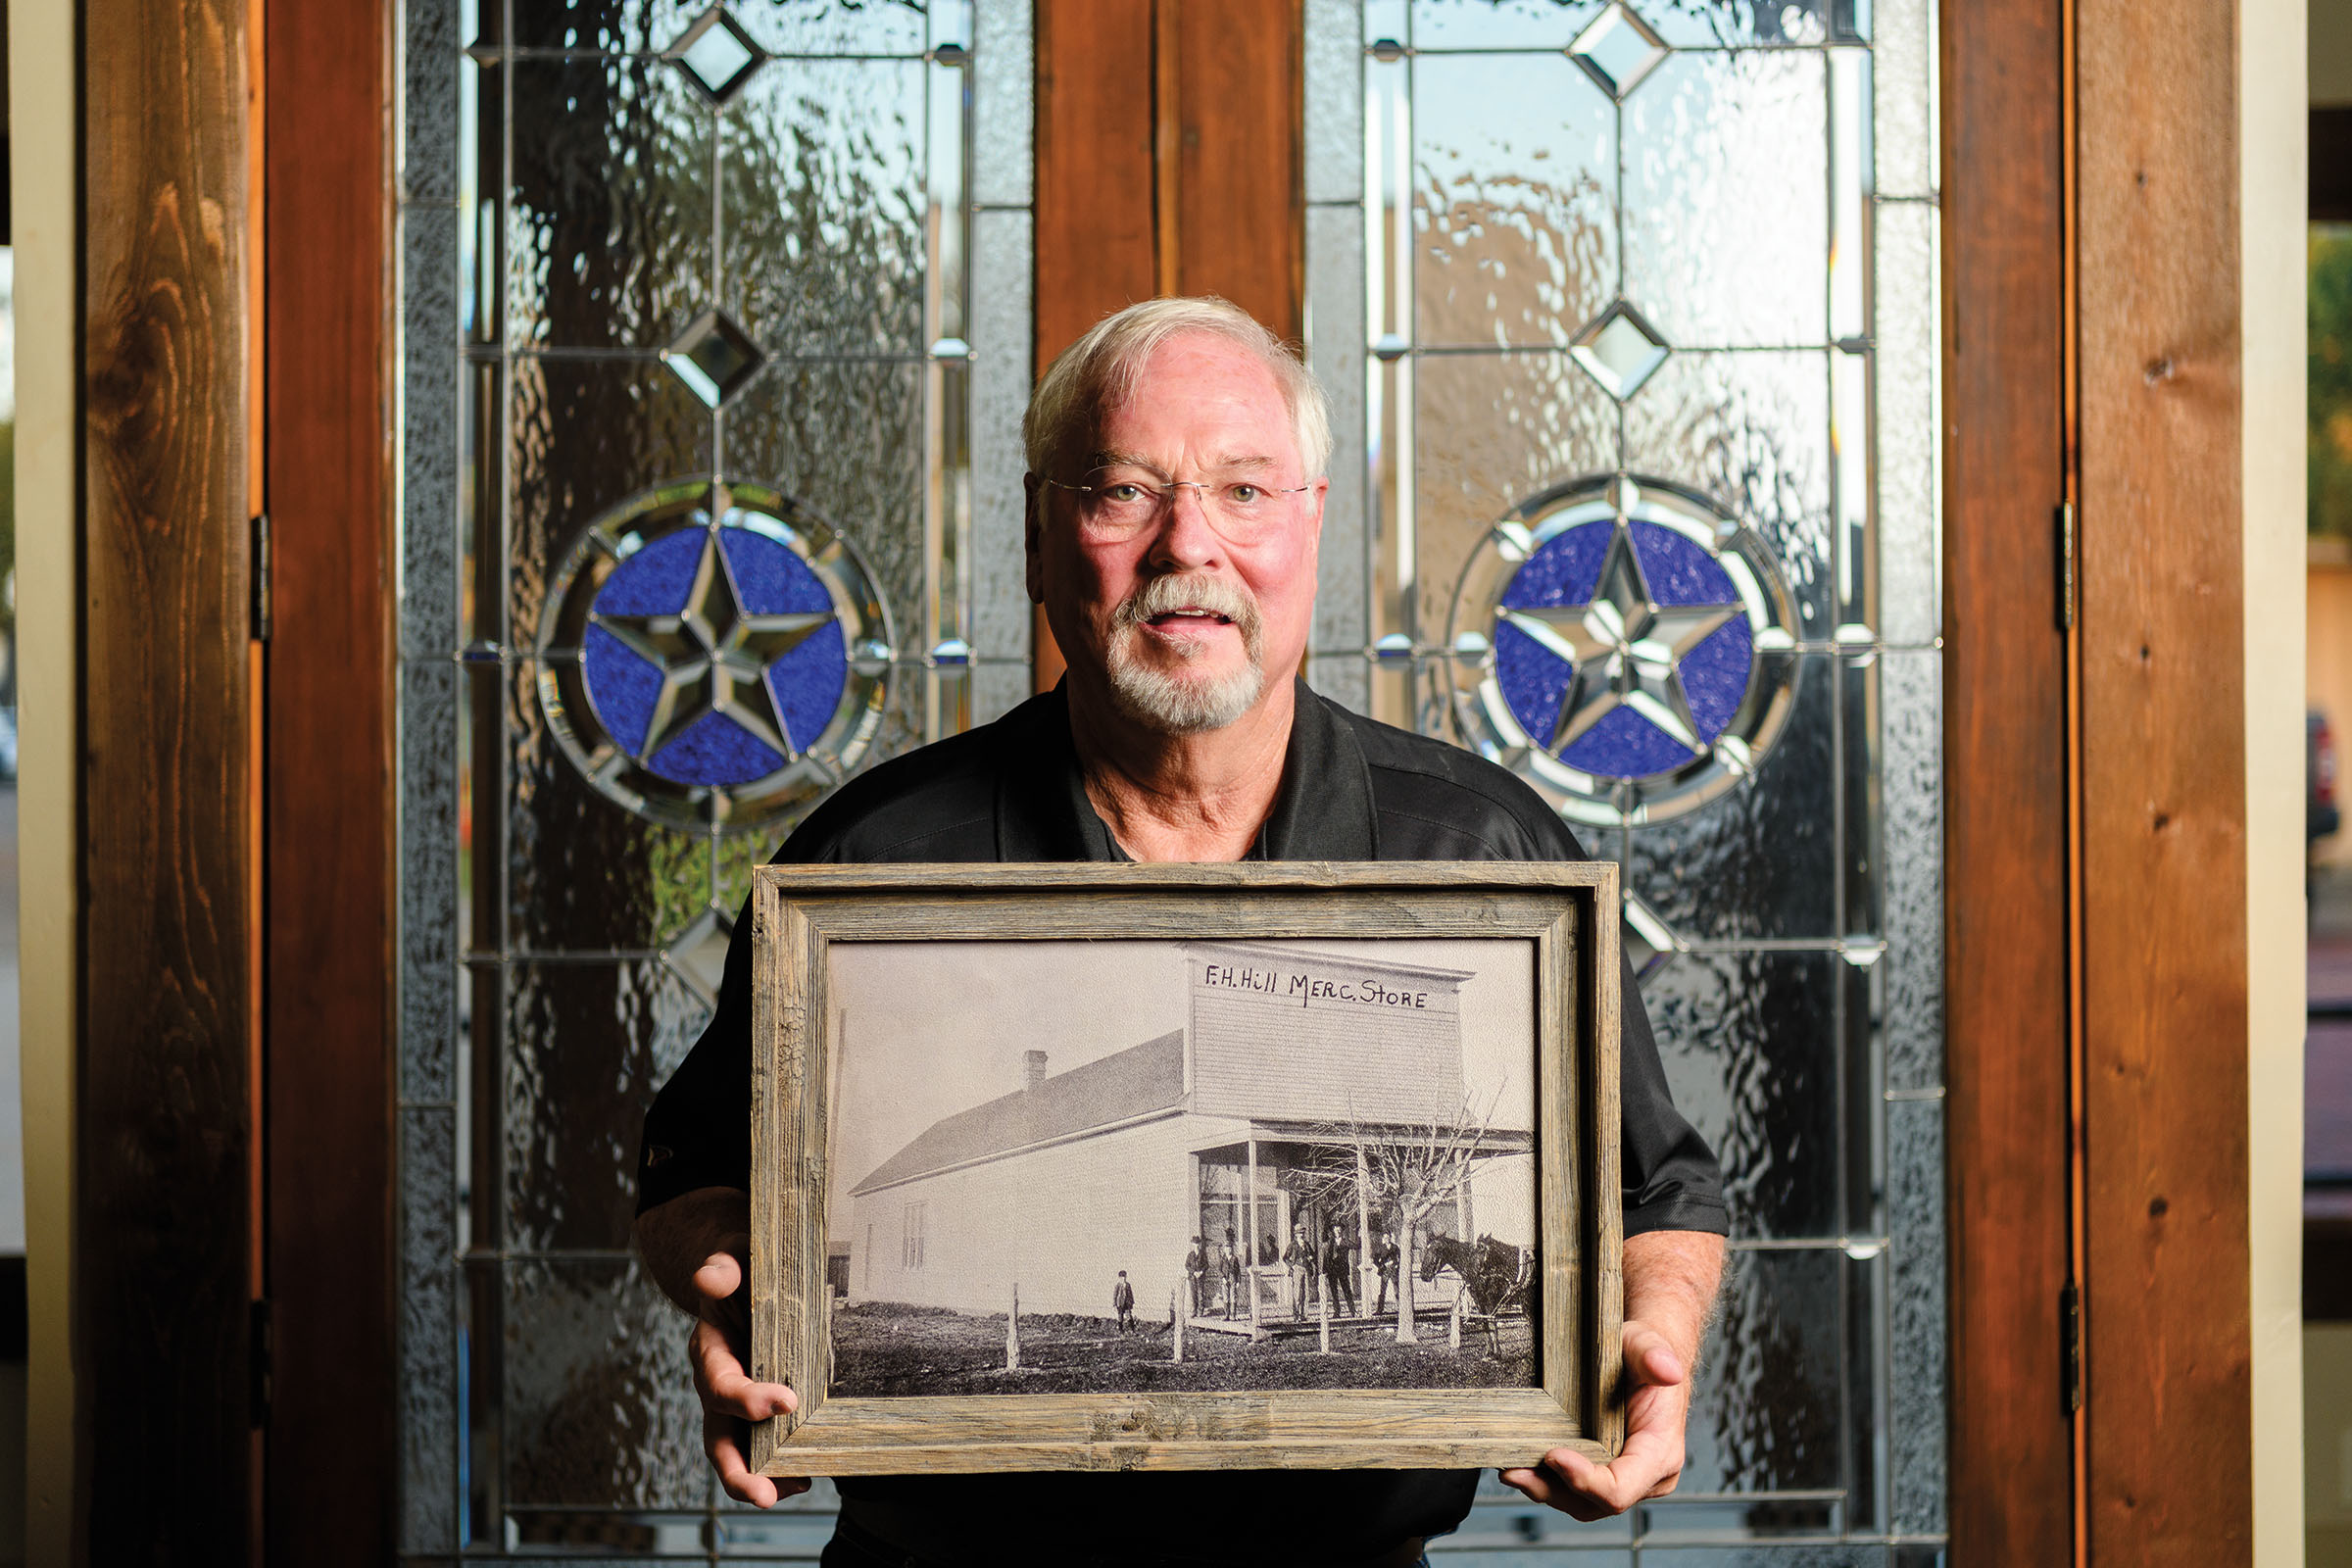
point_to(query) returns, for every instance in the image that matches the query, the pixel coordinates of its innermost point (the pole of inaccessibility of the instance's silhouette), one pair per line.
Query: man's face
(1187, 608)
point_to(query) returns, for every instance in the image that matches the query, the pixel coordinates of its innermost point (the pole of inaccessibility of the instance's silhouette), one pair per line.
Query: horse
(1495, 1272)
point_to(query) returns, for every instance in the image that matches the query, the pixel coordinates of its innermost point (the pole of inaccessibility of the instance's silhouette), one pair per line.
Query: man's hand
(1652, 1458)
(714, 1223)
(1670, 1279)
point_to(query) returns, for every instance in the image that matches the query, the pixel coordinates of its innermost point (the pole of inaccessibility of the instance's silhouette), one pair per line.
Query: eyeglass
(1122, 504)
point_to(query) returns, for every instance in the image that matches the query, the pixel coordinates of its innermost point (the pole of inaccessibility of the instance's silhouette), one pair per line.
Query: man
(1196, 1274)
(1300, 1258)
(1122, 1303)
(1175, 498)
(1384, 1260)
(1229, 1269)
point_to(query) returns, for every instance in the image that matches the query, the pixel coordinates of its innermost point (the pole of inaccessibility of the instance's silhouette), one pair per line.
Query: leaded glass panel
(1630, 307)
(692, 529)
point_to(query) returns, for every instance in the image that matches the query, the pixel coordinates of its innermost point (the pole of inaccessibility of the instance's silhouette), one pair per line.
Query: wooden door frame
(330, 846)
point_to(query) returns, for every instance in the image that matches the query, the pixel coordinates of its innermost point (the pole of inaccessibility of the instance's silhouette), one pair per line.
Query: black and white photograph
(1126, 1166)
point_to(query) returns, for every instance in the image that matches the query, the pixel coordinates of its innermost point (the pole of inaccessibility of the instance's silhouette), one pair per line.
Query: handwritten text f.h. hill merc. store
(1306, 989)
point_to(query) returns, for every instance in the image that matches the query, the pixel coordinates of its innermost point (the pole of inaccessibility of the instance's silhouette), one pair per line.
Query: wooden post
(1363, 1229)
(1175, 1328)
(1454, 1326)
(1323, 1309)
(1250, 1240)
(1013, 1332)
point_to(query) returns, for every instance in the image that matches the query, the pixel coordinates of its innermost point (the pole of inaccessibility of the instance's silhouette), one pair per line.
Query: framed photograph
(1111, 1166)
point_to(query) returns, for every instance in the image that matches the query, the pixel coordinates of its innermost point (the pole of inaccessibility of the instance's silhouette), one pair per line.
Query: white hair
(1097, 373)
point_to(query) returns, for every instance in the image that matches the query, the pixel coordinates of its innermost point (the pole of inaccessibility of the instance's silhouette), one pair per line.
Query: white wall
(2274, 200)
(1060, 1222)
(43, 68)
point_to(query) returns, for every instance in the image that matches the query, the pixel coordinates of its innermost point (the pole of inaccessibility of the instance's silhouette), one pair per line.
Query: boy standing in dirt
(1122, 1301)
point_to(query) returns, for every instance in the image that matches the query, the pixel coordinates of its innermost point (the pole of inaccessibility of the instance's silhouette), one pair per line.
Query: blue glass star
(709, 661)
(1624, 652)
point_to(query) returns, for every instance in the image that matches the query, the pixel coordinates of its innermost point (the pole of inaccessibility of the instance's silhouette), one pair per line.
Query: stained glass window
(715, 332)
(1630, 309)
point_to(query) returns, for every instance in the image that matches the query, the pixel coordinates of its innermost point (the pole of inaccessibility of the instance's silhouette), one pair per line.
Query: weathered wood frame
(1568, 910)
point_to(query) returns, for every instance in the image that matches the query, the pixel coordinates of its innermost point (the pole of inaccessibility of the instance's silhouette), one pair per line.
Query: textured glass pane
(780, 26)
(1864, 1512)
(1766, 1414)
(1752, 432)
(608, 222)
(1751, 1048)
(1815, 1555)
(1919, 1554)
(428, 148)
(1335, 347)
(1913, 860)
(1495, 430)
(428, 1332)
(1904, 385)
(1915, 1180)
(1861, 1057)
(1902, 69)
(798, 1533)
(1500, 23)
(1333, 132)
(1741, 138)
(835, 27)
(1515, 199)
(846, 438)
(1760, 862)
(1711, 23)
(586, 435)
(599, 1410)
(587, 1046)
(1002, 265)
(823, 180)
(583, 876)
(1002, 109)
(430, 414)
(429, 885)
(481, 503)
(1712, 1519)
(1858, 861)
(1344, 679)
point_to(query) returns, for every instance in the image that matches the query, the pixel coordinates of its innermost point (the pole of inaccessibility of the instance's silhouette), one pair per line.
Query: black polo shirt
(1351, 790)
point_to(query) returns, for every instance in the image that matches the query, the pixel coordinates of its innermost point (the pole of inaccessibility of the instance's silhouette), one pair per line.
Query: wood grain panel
(162, 1216)
(331, 1445)
(1167, 162)
(2005, 780)
(1096, 192)
(1239, 200)
(2166, 1309)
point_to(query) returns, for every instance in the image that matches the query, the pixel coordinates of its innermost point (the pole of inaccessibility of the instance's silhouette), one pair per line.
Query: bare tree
(1408, 1171)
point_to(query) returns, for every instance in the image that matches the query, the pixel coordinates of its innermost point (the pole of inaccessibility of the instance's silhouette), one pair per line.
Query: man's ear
(1033, 525)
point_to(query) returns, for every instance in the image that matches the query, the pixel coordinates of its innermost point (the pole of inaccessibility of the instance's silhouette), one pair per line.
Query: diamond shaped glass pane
(713, 357)
(1618, 50)
(699, 952)
(1620, 350)
(716, 52)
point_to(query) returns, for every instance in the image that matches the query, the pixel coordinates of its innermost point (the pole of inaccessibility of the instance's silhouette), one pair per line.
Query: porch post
(1250, 1236)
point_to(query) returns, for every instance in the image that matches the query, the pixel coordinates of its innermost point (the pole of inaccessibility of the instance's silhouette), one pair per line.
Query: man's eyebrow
(1106, 458)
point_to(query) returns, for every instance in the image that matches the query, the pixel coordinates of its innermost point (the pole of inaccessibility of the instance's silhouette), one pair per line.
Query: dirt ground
(881, 1350)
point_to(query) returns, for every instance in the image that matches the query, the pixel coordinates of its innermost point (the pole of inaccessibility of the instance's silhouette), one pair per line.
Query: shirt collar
(1322, 811)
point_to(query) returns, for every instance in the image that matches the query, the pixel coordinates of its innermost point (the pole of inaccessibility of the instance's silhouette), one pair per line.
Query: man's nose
(1188, 536)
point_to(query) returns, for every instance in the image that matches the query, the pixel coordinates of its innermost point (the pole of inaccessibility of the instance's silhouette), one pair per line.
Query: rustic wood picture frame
(1568, 910)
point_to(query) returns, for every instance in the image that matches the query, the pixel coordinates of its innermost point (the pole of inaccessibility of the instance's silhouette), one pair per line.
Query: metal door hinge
(2068, 577)
(2070, 1349)
(260, 558)
(260, 1357)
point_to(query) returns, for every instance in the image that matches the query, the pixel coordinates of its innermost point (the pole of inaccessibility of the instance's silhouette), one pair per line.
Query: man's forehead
(1217, 461)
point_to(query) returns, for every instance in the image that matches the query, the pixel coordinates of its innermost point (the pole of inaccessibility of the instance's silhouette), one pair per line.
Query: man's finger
(735, 1478)
(720, 1380)
(1650, 1358)
(719, 1276)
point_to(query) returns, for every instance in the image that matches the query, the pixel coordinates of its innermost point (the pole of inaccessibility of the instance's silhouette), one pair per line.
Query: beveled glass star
(1627, 648)
(714, 656)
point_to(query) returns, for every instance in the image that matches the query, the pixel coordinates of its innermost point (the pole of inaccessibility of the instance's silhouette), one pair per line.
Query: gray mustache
(1165, 595)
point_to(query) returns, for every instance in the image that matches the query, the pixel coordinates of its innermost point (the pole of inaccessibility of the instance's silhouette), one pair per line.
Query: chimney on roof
(1033, 1069)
